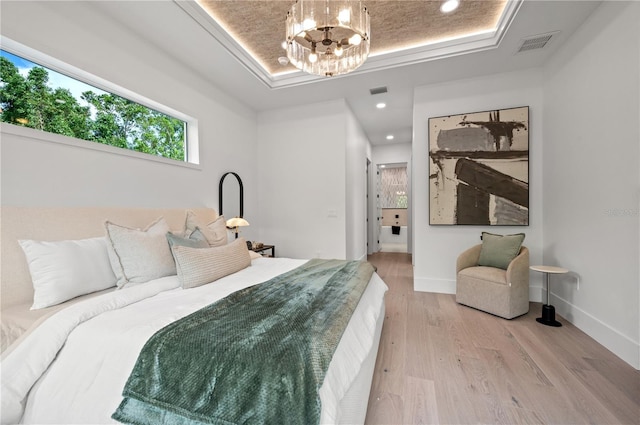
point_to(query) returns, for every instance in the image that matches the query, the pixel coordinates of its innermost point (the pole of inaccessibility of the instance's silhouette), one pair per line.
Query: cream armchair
(504, 293)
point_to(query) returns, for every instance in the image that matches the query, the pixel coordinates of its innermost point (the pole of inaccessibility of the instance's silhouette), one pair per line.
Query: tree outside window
(29, 98)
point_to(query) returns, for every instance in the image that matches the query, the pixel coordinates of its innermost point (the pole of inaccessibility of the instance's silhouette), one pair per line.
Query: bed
(69, 362)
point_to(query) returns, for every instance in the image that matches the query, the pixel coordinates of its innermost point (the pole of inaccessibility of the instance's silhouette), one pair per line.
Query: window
(39, 97)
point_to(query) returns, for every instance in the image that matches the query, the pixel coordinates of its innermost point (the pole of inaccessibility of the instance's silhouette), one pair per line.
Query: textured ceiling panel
(259, 26)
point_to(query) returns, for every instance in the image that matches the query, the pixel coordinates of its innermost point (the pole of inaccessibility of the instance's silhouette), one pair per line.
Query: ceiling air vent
(378, 90)
(536, 42)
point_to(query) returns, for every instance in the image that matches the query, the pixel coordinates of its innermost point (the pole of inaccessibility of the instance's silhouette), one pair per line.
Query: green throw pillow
(188, 242)
(499, 250)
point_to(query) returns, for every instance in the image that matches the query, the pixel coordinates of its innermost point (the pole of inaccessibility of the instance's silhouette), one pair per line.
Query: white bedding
(81, 357)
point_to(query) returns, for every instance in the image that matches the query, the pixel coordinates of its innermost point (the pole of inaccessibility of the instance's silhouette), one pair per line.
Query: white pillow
(63, 270)
(215, 232)
(197, 266)
(140, 255)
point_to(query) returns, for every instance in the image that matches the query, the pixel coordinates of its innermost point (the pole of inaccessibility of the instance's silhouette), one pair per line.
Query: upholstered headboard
(52, 224)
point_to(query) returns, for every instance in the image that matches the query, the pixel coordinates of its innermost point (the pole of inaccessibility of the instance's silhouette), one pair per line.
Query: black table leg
(548, 311)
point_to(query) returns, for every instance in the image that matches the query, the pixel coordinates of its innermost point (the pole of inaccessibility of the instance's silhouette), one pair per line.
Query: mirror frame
(241, 193)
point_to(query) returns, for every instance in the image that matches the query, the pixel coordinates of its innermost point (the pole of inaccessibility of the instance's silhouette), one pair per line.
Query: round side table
(548, 311)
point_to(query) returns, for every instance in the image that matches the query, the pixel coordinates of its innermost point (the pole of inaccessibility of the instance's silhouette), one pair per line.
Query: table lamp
(235, 222)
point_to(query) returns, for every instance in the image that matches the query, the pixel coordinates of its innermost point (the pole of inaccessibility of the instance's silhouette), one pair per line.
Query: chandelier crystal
(329, 37)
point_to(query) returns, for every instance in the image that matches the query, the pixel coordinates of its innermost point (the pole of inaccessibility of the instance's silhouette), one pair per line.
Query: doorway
(392, 207)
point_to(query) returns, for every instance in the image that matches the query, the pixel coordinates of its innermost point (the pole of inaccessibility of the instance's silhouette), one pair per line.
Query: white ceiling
(170, 28)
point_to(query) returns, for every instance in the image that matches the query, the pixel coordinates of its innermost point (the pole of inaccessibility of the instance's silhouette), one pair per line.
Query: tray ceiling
(402, 32)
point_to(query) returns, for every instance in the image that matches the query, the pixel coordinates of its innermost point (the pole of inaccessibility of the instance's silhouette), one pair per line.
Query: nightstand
(262, 250)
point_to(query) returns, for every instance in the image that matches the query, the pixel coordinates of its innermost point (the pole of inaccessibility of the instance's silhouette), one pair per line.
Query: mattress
(74, 365)
(18, 320)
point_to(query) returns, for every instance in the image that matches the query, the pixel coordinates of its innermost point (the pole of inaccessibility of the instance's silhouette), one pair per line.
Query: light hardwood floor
(443, 363)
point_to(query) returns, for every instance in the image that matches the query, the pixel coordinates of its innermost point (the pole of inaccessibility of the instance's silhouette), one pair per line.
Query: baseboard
(440, 286)
(448, 286)
(535, 293)
(619, 344)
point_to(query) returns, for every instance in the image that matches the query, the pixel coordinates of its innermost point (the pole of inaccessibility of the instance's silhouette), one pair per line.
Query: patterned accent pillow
(139, 255)
(197, 266)
(215, 232)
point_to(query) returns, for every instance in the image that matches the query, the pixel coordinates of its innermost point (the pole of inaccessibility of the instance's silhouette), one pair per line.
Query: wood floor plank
(421, 359)
(385, 409)
(421, 406)
(441, 362)
(522, 416)
(572, 393)
(622, 407)
(387, 394)
(618, 374)
(391, 358)
(524, 393)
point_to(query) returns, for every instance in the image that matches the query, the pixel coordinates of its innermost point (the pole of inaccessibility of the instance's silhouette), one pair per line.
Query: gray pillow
(138, 256)
(198, 236)
(214, 232)
(188, 242)
(499, 250)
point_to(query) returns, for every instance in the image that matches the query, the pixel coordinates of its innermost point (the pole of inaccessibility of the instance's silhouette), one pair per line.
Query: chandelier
(329, 37)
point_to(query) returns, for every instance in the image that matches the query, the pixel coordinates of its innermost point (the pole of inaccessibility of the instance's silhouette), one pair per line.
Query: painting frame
(479, 168)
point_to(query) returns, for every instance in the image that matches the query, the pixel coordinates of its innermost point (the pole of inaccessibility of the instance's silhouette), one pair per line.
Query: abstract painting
(479, 168)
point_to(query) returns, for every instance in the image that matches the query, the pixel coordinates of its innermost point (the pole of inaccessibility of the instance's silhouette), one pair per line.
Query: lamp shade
(237, 222)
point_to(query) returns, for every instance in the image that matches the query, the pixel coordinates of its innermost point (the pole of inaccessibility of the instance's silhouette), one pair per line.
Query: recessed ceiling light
(382, 166)
(390, 137)
(449, 6)
(381, 105)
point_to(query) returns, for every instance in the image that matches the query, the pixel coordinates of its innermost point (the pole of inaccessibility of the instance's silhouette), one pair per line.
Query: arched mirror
(231, 195)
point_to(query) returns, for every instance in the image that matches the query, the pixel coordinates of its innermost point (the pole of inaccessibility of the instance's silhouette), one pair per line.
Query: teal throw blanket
(258, 356)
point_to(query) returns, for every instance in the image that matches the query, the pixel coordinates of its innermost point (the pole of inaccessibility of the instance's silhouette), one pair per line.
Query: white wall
(42, 173)
(357, 153)
(437, 247)
(302, 175)
(389, 154)
(592, 178)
